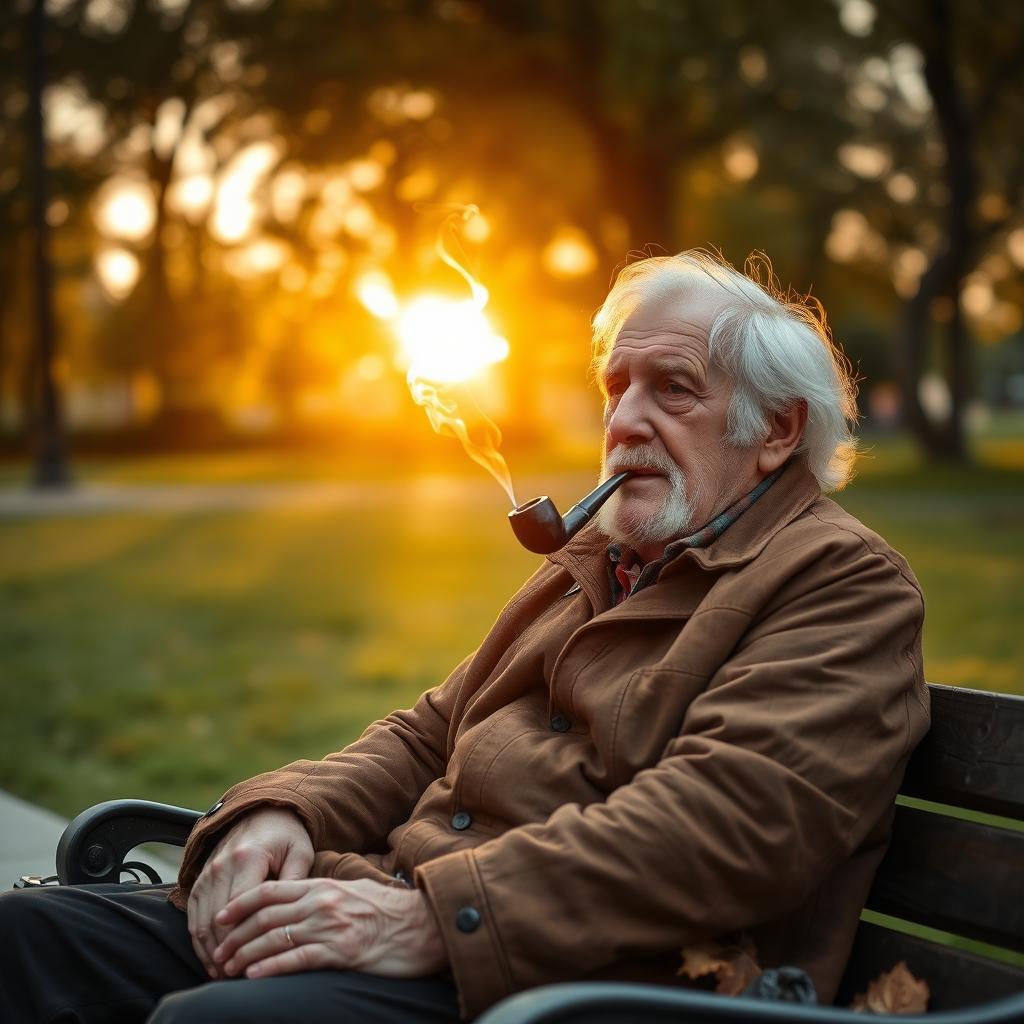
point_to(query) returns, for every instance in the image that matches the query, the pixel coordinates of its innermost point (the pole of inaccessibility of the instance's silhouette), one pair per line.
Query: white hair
(776, 347)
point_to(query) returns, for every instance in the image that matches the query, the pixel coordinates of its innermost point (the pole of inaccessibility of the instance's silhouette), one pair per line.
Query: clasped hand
(323, 924)
(254, 910)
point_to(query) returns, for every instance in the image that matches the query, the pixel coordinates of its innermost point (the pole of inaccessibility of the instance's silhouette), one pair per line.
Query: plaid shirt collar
(628, 574)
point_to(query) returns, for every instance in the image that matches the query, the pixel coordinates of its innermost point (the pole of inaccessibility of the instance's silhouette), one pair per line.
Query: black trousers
(92, 954)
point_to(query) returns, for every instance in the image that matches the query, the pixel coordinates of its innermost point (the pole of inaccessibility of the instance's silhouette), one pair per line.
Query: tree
(973, 68)
(51, 467)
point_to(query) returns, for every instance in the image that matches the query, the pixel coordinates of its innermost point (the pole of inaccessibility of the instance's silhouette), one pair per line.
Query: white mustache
(641, 457)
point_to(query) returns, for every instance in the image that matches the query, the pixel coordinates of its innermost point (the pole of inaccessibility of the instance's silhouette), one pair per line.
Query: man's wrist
(431, 941)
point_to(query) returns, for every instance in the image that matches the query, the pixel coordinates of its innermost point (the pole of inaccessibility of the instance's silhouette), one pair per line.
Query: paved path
(88, 499)
(28, 842)
(91, 499)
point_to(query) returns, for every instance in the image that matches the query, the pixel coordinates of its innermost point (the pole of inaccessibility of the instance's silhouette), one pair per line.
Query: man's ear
(787, 428)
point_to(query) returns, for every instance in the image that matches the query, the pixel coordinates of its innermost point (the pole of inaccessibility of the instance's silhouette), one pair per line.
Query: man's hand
(323, 924)
(270, 842)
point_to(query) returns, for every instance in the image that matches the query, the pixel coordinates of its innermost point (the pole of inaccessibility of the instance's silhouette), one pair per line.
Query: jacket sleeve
(783, 764)
(351, 800)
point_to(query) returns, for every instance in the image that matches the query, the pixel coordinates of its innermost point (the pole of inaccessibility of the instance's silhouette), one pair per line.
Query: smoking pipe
(539, 527)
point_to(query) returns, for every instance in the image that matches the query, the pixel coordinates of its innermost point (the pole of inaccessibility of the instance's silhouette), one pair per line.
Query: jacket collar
(793, 493)
(585, 556)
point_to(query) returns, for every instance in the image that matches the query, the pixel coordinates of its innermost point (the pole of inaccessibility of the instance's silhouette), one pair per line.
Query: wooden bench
(945, 870)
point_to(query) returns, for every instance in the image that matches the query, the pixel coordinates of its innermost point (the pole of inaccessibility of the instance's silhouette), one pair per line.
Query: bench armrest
(94, 845)
(598, 1002)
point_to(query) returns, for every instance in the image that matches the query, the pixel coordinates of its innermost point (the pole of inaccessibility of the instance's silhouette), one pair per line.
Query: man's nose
(629, 422)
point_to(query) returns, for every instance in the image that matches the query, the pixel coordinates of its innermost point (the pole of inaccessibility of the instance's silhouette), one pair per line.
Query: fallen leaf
(734, 965)
(895, 991)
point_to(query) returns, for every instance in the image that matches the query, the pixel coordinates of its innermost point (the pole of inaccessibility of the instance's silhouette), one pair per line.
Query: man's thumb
(297, 863)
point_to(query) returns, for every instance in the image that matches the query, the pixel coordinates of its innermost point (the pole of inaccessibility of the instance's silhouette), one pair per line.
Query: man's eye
(614, 387)
(674, 388)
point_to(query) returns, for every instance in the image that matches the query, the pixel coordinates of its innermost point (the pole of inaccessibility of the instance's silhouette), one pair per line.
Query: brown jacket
(598, 786)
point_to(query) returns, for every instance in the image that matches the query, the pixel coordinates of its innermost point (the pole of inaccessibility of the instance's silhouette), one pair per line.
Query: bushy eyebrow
(665, 366)
(669, 367)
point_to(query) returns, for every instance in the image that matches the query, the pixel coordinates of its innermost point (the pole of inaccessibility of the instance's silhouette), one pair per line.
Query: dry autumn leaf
(895, 991)
(733, 966)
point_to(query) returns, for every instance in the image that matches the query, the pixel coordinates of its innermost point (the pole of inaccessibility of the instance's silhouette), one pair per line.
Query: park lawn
(168, 655)
(963, 534)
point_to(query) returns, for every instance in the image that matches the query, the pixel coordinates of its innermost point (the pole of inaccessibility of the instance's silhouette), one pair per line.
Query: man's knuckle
(240, 854)
(324, 901)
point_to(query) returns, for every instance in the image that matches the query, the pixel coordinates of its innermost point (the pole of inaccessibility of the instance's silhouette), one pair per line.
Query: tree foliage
(865, 145)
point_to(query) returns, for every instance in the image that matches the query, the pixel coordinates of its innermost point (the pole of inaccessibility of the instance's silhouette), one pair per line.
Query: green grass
(963, 533)
(167, 655)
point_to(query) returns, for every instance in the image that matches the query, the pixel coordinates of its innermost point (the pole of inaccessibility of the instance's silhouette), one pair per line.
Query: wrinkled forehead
(680, 312)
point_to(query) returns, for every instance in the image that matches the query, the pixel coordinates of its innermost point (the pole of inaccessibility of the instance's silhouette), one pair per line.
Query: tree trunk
(954, 438)
(945, 275)
(161, 313)
(916, 337)
(51, 465)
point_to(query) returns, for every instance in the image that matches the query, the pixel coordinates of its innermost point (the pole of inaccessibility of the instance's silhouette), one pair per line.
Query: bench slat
(957, 876)
(956, 978)
(973, 756)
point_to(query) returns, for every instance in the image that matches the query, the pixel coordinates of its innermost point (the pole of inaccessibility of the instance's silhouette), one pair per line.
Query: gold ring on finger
(288, 934)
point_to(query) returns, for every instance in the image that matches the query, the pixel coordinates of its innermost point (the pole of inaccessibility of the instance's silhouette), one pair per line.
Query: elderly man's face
(665, 415)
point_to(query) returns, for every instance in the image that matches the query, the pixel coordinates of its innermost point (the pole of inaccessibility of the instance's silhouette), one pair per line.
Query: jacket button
(461, 821)
(560, 723)
(467, 919)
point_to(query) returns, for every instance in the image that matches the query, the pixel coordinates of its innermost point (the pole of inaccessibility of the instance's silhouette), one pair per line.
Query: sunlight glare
(236, 211)
(358, 220)
(125, 210)
(234, 214)
(374, 291)
(740, 158)
(365, 174)
(477, 228)
(260, 257)
(569, 254)
(192, 196)
(857, 17)
(866, 161)
(118, 271)
(448, 342)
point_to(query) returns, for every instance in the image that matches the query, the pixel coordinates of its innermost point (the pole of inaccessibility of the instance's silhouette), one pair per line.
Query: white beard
(671, 521)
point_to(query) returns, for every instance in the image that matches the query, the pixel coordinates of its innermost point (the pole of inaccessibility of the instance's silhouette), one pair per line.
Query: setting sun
(447, 341)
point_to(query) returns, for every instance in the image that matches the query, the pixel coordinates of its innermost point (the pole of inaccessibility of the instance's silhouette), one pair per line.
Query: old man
(691, 721)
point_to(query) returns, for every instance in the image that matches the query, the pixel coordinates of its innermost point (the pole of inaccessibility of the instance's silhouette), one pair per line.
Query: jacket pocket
(648, 716)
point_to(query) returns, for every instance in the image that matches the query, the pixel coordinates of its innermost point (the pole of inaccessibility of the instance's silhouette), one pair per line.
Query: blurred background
(229, 536)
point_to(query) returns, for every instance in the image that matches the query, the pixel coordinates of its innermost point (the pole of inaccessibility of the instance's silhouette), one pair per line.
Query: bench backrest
(953, 868)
